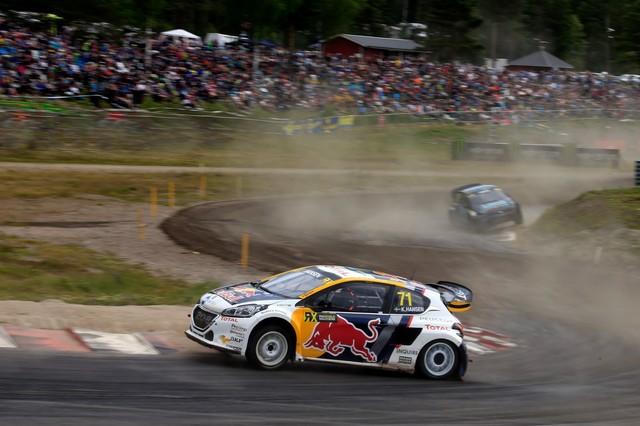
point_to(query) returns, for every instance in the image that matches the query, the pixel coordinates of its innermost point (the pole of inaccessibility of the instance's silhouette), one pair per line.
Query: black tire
(440, 360)
(517, 217)
(270, 347)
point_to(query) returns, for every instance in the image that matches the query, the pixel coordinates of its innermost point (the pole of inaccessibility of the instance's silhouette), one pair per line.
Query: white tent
(184, 35)
(219, 39)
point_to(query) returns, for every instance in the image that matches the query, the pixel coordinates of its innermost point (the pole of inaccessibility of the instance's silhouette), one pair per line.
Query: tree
(626, 39)
(450, 24)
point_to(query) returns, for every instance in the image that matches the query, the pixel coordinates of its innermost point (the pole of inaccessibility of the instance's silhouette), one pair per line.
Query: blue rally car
(481, 207)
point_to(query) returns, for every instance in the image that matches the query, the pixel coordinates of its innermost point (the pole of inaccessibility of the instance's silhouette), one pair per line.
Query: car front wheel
(517, 217)
(269, 348)
(439, 359)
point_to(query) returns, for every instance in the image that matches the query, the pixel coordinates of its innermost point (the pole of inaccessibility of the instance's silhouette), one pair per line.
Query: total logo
(435, 327)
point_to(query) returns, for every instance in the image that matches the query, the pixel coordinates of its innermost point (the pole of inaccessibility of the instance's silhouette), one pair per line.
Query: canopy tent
(220, 39)
(540, 60)
(183, 34)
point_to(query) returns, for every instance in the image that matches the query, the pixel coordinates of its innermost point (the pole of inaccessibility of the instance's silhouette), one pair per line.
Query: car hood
(220, 299)
(495, 206)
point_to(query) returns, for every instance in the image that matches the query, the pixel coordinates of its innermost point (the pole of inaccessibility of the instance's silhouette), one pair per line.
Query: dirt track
(575, 324)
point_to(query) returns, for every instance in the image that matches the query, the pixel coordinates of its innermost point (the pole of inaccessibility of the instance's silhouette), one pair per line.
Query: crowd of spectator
(129, 72)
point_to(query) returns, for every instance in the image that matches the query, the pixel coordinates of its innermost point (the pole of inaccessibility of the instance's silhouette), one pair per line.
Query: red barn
(368, 48)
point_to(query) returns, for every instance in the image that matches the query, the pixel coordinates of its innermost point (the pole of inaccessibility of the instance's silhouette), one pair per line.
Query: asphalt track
(575, 325)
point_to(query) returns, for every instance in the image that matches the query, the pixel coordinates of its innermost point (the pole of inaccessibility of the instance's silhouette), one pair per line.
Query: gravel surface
(111, 226)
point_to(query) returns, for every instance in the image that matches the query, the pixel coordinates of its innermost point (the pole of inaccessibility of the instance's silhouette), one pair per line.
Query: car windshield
(293, 284)
(485, 197)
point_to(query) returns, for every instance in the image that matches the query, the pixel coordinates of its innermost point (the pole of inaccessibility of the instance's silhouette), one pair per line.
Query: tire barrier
(566, 155)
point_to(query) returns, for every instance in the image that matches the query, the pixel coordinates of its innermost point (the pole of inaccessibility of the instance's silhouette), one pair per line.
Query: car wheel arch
(290, 334)
(273, 321)
(453, 369)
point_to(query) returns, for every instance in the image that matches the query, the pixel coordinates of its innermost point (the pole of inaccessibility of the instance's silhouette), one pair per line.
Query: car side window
(354, 297)
(407, 301)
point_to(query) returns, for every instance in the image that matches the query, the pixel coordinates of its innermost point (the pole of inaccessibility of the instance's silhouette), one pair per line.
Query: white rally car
(338, 314)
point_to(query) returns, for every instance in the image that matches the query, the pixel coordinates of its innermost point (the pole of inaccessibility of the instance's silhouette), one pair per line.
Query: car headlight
(243, 311)
(473, 213)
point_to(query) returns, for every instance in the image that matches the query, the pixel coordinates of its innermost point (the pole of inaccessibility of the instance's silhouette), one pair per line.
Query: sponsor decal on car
(435, 327)
(319, 317)
(236, 293)
(408, 309)
(227, 339)
(432, 319)
(335, 337)
(405, 360)
(406, 351)
(327, 318)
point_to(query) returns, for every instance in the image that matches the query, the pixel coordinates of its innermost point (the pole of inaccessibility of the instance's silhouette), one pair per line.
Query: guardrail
(34, 123)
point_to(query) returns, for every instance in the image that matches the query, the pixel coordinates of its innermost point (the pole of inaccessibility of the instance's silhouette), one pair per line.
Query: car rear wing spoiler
(455, 296)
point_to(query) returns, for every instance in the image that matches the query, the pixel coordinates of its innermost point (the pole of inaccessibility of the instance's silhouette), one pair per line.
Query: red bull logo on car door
(337, 335)
(355, 337)
(343, 336)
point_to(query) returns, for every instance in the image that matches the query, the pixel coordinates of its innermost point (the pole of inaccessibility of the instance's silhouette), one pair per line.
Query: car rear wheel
(439, 359)
(269, 348)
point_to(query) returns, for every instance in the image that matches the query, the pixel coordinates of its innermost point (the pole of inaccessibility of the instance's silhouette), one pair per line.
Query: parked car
(338, 314)
(481, 207)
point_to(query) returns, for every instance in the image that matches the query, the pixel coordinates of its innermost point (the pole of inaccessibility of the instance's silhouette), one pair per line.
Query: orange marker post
(244, 255)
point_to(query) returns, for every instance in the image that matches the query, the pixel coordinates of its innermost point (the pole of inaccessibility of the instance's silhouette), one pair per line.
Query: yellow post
(203, 187)
(172, 195)
(239, 187)
(154, 202)
(244, 257)
(141, 233)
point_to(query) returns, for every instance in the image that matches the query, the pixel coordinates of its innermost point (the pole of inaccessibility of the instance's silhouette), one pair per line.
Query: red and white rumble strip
(5, 340)
(483, 341)
(479, 341)
(84, 340)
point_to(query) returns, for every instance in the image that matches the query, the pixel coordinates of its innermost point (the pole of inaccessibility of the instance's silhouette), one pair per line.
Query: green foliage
(451, 23)
(37, 271)
(592, 211)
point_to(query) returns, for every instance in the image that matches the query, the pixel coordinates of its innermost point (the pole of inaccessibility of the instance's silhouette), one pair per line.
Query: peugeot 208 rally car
(338, 314)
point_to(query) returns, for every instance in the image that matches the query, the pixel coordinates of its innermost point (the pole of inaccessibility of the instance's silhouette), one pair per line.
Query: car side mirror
(319, 306)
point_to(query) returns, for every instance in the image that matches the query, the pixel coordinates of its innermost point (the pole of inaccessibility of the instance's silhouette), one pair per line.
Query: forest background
(594, 35)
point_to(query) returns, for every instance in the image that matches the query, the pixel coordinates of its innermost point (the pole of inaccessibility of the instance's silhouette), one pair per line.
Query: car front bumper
(207, 341)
